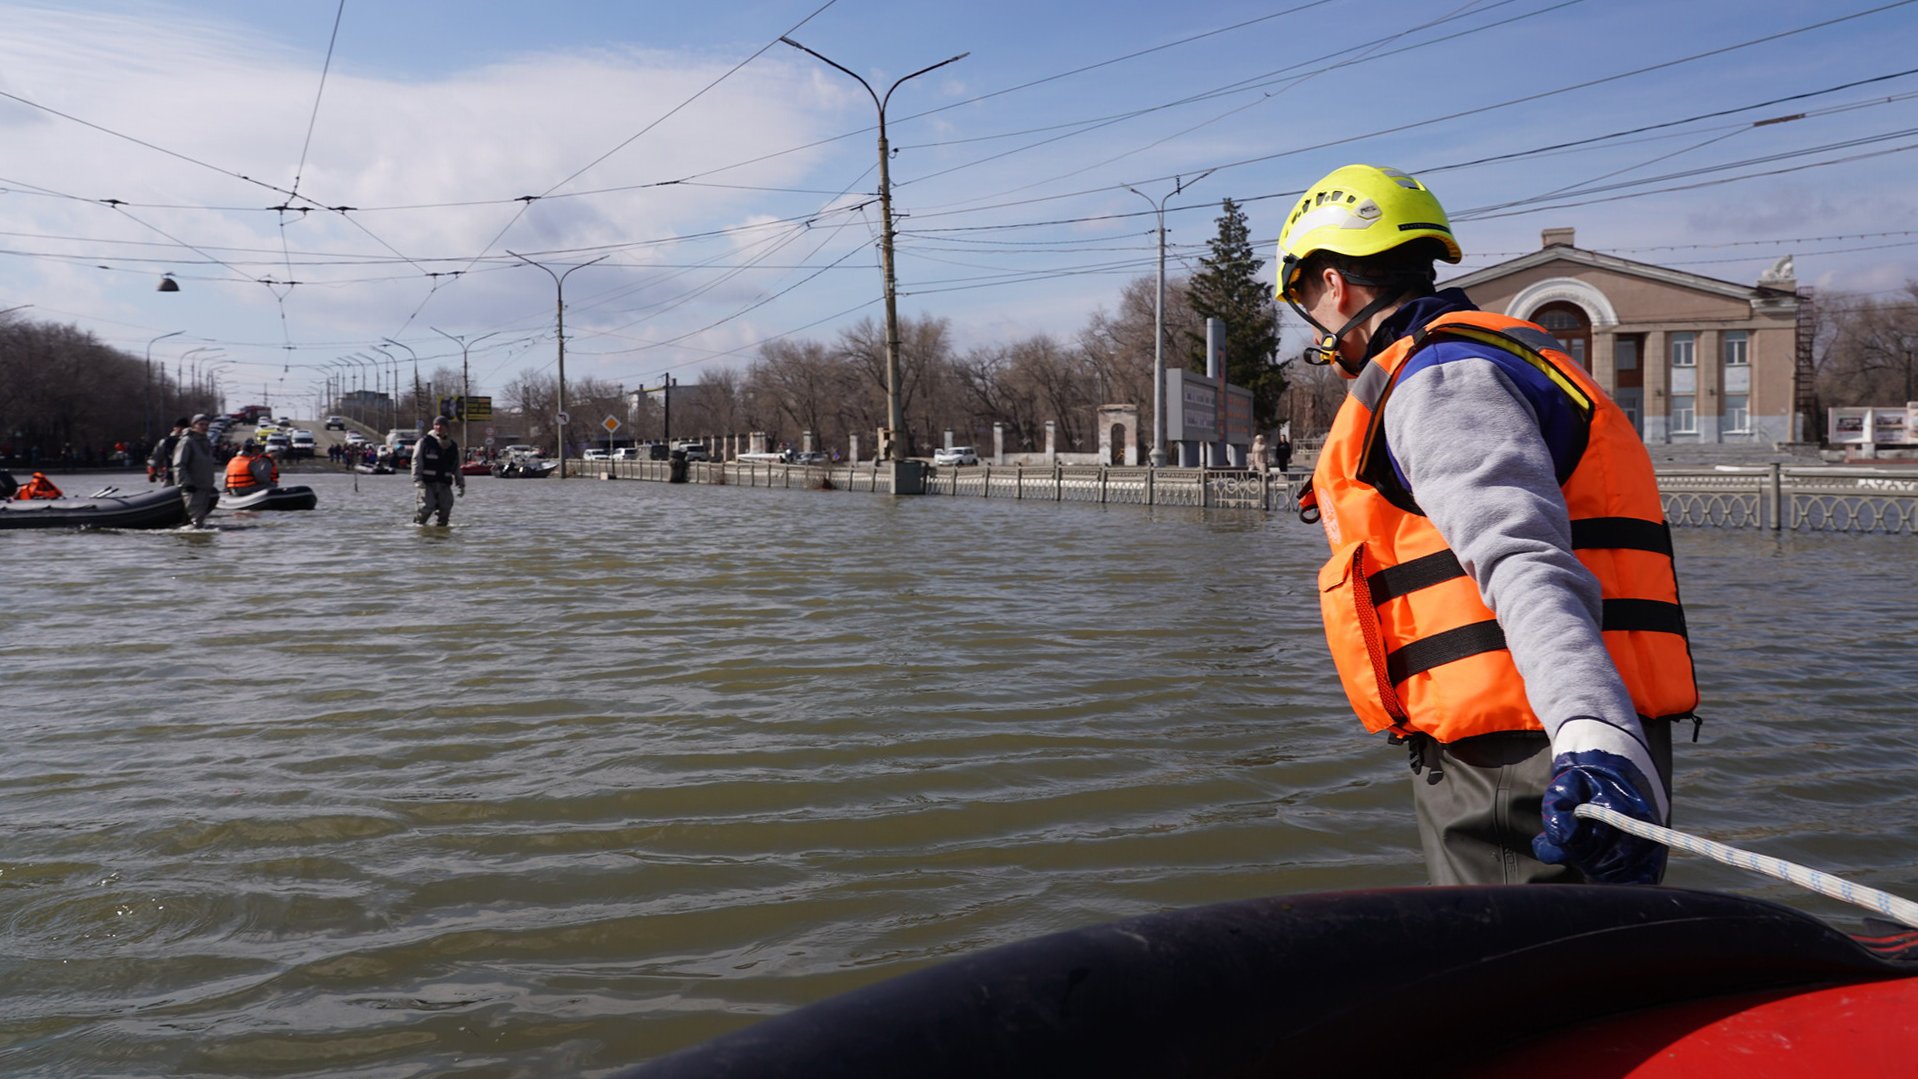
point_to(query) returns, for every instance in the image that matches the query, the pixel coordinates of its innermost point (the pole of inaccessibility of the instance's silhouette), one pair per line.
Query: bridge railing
(1776, 497)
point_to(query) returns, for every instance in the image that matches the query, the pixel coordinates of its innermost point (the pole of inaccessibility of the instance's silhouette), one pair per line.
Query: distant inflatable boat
(523, 469)
(272, 498)
(158, 507)
(1559, 980)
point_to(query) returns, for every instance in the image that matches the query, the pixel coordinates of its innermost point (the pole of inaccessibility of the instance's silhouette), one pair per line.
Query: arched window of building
(1568, 323)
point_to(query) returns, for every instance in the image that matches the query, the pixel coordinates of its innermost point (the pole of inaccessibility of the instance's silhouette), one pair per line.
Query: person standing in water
(436, 472)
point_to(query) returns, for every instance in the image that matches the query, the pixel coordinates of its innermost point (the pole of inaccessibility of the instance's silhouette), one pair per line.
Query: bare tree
(807, 383)
(1867, 349)
(925, 353)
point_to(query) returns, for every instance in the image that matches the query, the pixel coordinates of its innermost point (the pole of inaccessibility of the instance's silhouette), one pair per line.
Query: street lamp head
(168, 284)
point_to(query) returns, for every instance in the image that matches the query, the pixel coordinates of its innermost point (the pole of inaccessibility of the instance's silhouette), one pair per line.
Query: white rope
(1902, 911)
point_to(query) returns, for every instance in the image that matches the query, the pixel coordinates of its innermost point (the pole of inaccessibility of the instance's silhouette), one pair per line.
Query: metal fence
(1793, 499)
(1811, 499)
(1226, 488)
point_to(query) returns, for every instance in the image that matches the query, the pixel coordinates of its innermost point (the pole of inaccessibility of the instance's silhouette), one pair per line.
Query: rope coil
(1902, 911)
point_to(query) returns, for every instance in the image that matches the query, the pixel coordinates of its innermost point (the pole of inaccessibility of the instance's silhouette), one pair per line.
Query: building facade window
(1737, 348)
(1569, 323)
(1684, 415)
(1738, 413)
(1684, 348)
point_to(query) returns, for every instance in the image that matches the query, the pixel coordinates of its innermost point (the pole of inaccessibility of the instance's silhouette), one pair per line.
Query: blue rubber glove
(1603, 853)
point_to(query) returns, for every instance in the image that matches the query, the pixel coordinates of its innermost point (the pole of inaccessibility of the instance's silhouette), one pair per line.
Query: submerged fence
(1810, 499)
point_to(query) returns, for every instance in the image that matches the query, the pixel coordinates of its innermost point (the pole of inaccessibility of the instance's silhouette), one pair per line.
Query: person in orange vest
(38, 487)
(249, 470)
(1475, 467)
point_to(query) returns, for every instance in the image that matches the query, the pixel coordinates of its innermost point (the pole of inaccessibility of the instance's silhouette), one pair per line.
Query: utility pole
(895, 421)
(1158, 323)
(559, 289)
(666, 410)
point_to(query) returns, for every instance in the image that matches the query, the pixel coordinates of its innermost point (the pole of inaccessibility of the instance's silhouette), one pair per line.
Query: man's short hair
(1407, 267)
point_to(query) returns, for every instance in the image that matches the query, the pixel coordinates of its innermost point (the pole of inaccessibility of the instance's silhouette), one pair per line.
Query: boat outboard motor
(8, 485)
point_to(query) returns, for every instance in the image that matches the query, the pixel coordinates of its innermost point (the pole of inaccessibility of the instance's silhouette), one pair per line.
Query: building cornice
(1761, 298)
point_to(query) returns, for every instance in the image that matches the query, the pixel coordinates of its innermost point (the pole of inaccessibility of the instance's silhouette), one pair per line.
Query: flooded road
(609, 768)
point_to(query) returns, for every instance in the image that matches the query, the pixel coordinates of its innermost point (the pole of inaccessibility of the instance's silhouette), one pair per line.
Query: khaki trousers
(1478, 802)
(434, 498)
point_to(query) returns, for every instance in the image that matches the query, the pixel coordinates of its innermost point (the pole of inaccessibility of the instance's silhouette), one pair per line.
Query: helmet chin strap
(1326, 350)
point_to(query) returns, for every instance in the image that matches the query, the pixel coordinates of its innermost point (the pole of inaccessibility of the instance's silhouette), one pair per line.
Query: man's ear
(1346, 299)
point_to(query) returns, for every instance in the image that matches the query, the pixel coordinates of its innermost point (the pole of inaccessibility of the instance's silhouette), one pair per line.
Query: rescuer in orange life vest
(1473, 468)
(37, 487)
(250, 470)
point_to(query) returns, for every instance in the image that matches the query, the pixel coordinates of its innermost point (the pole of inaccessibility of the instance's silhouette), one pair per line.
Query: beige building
(1692, 359)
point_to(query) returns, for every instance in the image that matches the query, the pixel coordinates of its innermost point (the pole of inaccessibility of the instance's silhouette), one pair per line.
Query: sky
(327, 180)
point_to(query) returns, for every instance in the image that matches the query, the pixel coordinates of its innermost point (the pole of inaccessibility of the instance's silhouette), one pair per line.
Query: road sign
(610, 423)
(564, 419)
(489, 440)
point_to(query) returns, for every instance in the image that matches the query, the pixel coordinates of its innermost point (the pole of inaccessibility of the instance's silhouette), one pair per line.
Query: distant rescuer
(436, 469)
(160, 463)
(250, 470)
(193, 470)
(1474, 468)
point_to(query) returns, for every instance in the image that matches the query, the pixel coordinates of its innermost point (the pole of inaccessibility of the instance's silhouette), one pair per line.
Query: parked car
(810, 457)
(629, 453)
(336, 423)
(955, 455)
(695, 451)
(280, 443)
(596, 455)
(302, 442)
(399, 442)
(354, 438)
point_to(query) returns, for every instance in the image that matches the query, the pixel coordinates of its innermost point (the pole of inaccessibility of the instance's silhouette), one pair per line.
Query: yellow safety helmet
(1360, 210)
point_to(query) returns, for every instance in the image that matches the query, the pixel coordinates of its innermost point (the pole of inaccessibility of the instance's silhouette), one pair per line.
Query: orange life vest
(38, 487)
(1417, 649)
(239, 473)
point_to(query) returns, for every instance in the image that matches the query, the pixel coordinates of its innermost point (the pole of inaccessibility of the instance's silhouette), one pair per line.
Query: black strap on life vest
(1635, 615)
(1593, 533)
(1590, 533)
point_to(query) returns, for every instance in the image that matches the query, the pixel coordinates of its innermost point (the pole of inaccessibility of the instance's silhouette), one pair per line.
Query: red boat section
(1848, 1030)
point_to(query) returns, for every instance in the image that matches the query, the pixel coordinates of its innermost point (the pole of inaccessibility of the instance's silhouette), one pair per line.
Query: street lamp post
(416, 376)
(895, 421)
(1158, 323)
(188, 374)
(466, 390)
(394, 366)
(215, 404)
(149, 393)
(379, 385)
(559, 289)
(364, 368)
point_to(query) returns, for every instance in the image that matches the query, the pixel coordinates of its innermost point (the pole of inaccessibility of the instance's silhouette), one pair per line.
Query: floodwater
(607, 769)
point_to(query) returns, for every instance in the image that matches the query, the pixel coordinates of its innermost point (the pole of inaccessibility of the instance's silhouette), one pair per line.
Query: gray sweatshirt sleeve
(1470, 447)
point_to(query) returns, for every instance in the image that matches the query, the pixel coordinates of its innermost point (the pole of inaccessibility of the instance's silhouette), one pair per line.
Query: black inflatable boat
(1557, 980)
(158, 507)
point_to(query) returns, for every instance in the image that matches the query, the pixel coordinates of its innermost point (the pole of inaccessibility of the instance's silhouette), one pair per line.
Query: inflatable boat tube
(1423, 981)
(272, 498)
(159, 507)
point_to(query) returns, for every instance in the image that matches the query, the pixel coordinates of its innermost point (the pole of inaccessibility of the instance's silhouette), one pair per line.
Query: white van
(400, 442)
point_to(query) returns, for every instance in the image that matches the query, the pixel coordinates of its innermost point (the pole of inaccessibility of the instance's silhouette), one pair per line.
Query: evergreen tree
(1228, 287)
